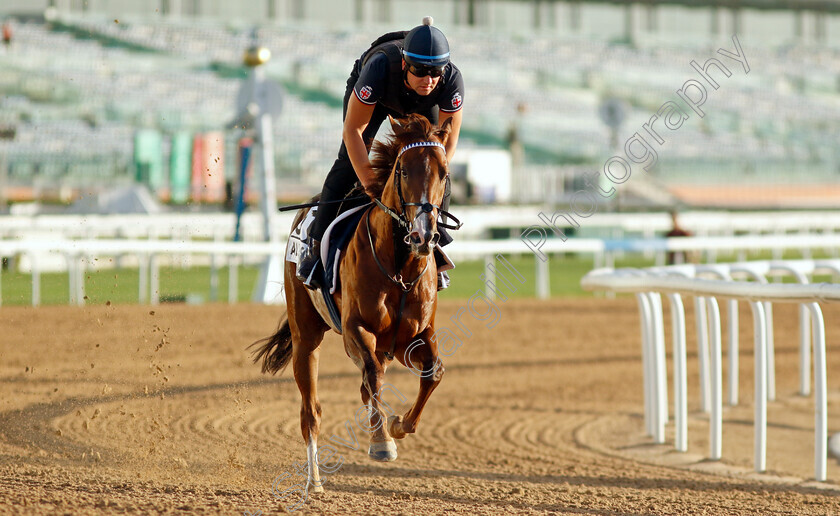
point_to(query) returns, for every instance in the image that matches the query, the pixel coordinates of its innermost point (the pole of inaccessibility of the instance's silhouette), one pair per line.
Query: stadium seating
(77, 91)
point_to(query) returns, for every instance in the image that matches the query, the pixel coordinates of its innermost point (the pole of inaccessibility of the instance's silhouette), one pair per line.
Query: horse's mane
(412, 128)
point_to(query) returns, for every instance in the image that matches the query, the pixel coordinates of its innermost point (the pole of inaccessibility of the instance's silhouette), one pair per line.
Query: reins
(318, 203)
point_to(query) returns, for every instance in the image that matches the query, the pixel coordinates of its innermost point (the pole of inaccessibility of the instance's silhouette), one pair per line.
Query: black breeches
(339, 182)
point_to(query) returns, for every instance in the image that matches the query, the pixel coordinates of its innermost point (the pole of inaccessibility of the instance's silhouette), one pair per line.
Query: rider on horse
(401, 73)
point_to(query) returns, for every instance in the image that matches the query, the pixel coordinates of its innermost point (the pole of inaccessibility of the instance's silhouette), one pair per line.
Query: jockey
(401, 73)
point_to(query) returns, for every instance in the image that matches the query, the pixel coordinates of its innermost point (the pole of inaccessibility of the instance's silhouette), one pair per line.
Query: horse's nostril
(435, 238)
(416, 238)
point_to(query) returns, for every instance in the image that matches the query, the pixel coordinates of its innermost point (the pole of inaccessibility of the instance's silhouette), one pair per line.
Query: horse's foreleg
(424, 362)
(305, 364)
(382, 447)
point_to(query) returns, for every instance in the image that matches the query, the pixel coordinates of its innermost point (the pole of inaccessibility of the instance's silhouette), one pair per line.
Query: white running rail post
(732, 309)
(543, 278)
(647, 377)
(659, 366)
(680, 381)
(716, 416)
(703, 352)
(820, 394)
(760, 429)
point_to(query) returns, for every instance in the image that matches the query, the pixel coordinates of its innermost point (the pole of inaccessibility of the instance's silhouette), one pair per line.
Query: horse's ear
(444, 130)
(395, 124)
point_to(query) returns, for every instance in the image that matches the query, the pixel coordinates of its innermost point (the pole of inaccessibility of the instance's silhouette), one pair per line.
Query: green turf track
(193, 284)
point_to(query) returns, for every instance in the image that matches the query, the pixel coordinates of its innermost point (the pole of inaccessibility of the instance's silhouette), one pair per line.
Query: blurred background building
(101, 94)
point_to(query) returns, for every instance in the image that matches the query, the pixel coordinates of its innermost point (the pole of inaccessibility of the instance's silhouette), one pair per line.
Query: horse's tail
(275, 351)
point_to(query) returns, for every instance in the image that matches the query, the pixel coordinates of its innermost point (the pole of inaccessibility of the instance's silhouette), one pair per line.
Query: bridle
(426, 207)
(402, 220)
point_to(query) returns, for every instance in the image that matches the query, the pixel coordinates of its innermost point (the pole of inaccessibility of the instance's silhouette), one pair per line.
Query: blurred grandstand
(91, 90)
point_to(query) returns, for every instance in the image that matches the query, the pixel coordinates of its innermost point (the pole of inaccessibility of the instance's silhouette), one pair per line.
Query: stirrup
(307, 269)
(442, 281)
(313, 281)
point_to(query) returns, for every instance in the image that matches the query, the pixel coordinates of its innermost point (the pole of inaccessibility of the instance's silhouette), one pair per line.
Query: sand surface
(132, 409)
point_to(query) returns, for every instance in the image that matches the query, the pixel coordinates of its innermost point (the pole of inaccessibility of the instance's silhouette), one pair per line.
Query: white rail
(477, 221)
(147, 252)
(676, 281)
(149, 248)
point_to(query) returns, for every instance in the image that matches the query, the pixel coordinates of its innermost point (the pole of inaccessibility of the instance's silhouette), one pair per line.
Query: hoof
(385, 451)
(316, 489)
(395, 427)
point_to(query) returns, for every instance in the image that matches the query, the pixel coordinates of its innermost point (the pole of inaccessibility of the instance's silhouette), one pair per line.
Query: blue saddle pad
(335, 240)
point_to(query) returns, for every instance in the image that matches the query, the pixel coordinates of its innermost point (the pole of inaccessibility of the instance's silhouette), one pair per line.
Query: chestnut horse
(387, 296)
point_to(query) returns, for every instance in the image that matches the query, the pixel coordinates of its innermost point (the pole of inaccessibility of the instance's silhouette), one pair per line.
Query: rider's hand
(371, 192)
(368, 189)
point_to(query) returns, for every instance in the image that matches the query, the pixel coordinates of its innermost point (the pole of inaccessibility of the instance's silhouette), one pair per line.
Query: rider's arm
(452, 142)
(355, 123)
(451, 106)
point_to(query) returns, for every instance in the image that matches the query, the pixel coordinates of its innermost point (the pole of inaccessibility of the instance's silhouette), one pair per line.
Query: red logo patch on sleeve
(365, 92)
(456, 100)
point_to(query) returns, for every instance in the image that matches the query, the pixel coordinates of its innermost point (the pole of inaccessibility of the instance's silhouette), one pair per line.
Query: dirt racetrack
(131, 409)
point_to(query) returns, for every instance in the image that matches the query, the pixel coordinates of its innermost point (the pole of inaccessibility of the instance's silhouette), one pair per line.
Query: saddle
(334, 241)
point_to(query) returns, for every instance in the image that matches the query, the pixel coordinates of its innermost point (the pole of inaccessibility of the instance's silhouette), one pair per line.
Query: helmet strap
(404, 71)
(405, 74)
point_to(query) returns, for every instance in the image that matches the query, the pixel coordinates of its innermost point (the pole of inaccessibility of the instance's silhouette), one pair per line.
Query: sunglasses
(422, 71)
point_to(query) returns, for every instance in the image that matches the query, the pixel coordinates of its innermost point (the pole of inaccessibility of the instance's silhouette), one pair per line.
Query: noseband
(402, 218)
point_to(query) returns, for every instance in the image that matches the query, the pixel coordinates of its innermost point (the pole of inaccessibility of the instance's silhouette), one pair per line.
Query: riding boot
(443, 281)
(442, 262)
(307, 270)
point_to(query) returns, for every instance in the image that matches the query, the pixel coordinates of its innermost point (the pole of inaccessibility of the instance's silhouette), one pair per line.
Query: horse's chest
(416, 315)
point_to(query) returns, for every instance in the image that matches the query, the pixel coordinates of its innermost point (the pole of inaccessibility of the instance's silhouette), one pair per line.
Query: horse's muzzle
(417, 238)
(422, 243)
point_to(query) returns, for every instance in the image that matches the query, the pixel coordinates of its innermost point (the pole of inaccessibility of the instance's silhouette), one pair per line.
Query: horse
(387, 296)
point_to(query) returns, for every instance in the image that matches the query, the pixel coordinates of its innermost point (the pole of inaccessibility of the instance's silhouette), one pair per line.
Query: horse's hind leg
(305, 364)
(307, 330)
(424, 362)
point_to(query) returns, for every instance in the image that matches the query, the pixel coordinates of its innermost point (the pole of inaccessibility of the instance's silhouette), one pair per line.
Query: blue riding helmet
(426, 46)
